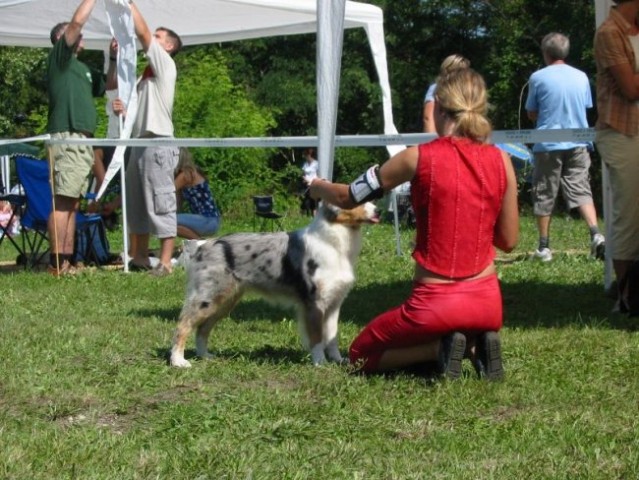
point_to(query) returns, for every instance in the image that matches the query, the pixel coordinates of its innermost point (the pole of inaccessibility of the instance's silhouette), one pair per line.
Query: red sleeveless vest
(456, 193)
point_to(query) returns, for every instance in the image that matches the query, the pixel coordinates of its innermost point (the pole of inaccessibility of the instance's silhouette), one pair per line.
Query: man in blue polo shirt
(558, 97)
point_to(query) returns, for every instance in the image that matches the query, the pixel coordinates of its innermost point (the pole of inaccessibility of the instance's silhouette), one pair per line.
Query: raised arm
(80, 17)
(141, 28)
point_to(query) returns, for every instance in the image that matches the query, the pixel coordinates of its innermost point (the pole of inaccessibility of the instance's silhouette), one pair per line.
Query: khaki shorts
(621, 155)
(561, 169)
(72, 165)
(150, 191)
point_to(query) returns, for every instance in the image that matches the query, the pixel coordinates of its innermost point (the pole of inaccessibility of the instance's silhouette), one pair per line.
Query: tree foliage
(280, 74)
(500, 37)
(517, 27)
(420, 34)
(22, 89)
(208, 105)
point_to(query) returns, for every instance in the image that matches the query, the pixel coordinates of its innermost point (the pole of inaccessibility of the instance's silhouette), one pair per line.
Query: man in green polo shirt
(72, 114)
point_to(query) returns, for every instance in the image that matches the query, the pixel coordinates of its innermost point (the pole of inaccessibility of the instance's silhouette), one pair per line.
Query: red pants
(432, 311)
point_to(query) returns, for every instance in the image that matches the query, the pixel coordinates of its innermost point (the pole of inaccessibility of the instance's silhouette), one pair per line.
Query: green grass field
(86, 392)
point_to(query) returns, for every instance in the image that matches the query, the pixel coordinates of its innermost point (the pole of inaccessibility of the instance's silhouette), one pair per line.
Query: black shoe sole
(492, 368)
(453, 369)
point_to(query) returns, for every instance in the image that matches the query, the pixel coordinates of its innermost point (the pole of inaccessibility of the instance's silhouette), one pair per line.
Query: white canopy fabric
(28, 23)
(330, 40)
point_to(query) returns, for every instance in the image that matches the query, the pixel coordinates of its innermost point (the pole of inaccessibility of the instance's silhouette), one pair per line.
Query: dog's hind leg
(204, 329)
(201, 315)
(329, 335)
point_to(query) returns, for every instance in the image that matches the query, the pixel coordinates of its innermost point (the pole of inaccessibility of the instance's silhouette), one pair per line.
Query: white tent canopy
(28, 23)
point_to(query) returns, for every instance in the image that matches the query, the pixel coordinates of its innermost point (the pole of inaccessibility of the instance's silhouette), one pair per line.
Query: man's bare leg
(61, 229)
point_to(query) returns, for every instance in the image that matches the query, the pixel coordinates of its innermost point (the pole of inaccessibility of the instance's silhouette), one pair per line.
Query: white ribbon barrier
(11, 141)
(498, 136)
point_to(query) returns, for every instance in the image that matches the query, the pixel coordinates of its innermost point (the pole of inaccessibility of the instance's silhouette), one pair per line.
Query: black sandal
(135, 267)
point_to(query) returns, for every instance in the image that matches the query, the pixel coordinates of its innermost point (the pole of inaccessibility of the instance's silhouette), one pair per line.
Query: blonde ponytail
(462, 95)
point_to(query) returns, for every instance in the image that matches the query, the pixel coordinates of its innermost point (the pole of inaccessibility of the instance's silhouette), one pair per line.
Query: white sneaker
(598, 247)
(543, 255)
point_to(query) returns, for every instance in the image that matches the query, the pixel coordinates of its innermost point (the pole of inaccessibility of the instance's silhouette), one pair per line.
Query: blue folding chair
(33, 174)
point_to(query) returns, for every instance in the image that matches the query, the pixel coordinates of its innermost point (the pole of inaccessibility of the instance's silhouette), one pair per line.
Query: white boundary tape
(498, 136)
(9, 141)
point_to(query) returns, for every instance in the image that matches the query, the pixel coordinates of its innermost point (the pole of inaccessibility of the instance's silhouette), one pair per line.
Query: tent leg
(398, 239)
(125, 227)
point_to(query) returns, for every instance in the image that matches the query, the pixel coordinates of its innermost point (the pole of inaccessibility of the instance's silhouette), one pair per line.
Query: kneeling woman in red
(464, 194)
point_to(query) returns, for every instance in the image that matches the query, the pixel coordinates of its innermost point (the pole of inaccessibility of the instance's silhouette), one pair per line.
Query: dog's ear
(329, 211)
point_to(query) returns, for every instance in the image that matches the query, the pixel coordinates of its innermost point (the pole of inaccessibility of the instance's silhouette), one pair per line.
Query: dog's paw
(335, 356)
(180, 362)
(340, 361)
(206, 355)
(317, 355)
